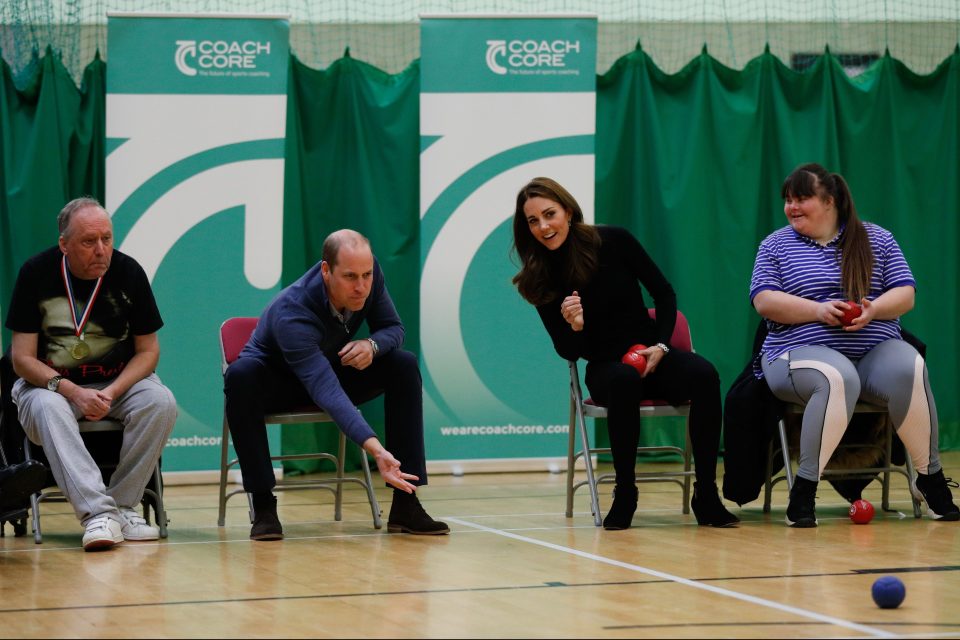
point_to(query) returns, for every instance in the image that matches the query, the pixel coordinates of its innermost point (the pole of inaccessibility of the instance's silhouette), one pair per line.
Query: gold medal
(80, 350)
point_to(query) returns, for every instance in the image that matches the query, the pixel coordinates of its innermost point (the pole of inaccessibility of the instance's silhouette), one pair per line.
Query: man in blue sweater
(303, 350)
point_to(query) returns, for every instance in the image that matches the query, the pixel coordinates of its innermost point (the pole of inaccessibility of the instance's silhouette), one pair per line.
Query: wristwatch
(376, 347)
(54, 383)
(663, 348)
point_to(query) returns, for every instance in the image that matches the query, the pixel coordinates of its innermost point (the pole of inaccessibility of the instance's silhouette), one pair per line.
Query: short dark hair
(66, 214)
(336, 240)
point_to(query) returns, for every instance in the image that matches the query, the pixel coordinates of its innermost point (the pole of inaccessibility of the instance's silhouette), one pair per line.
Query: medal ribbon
(85, 315)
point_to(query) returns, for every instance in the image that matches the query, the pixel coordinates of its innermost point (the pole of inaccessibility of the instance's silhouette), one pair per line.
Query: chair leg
(224, 445)
(571, 459)
(338, 500)
(687, 456)
(768, 483)
(371, 495)
(160, 510)
(784, 445)
(887, 464)
(588, 463)
(34, 498)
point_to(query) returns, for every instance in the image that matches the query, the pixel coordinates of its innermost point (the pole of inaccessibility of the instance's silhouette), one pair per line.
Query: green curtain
(353, 160)
(52, 138)
(690, 162)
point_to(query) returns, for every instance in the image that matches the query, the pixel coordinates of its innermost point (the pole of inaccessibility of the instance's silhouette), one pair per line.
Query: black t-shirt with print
(124, 308)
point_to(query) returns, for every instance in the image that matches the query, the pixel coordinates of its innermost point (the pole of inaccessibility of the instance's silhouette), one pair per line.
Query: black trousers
(254, 389)
(679, 377)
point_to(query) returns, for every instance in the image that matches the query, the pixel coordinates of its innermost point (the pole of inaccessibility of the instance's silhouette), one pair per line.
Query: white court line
(877, 633)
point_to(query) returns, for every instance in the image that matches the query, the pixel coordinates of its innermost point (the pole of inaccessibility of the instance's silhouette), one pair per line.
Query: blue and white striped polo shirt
(790, 262)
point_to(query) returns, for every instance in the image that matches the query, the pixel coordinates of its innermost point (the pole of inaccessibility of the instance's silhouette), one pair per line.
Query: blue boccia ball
(888, 592)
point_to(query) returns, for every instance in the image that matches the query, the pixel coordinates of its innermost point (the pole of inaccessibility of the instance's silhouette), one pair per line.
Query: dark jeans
(679, 377)
(254, 389)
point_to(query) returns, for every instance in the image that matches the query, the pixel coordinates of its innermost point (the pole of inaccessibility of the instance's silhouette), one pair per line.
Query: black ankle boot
(709, 509)
(266, 524)
(624, 506)
(936, 493)
(801, 512)
(407, 516)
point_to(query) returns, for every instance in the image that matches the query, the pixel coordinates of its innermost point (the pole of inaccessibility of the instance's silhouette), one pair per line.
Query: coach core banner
(503, 100)
(196, 119)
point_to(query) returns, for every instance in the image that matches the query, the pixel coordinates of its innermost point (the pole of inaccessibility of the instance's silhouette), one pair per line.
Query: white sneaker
(102, 532)
(135, 527)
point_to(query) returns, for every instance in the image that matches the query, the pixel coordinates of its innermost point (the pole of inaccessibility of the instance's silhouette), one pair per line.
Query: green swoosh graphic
(460, 189)
(160, 183)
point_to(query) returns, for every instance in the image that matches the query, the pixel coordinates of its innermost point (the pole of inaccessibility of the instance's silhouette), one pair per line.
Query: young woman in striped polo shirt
(806, 278)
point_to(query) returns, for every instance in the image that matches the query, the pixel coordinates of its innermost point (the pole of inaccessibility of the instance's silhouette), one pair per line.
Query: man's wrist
(376, 347)
(663, 348)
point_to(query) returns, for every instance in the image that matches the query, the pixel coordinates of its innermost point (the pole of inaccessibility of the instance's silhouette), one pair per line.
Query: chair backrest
(681, 340)
(234, 334)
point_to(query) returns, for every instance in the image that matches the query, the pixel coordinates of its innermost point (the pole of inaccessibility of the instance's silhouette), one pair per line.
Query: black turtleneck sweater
(614, 312)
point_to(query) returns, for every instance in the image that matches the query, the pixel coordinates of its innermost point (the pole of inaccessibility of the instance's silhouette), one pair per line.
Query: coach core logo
(185, 48)
(496, 48)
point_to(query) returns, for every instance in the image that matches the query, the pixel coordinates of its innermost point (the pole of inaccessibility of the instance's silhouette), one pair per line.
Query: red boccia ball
(634, 358)
(851, 314)
(861, 511)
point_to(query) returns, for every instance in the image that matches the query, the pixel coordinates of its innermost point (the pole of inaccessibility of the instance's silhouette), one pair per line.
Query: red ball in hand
(851, 314)
(861, 511)
(634, 358)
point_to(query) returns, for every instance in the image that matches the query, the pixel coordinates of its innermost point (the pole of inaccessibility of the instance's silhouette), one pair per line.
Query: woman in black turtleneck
(585, 282)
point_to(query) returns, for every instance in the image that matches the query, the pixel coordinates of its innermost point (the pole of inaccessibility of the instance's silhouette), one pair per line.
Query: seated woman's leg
(618, 387)
(894, 375)
(827, 384)
(682, 377)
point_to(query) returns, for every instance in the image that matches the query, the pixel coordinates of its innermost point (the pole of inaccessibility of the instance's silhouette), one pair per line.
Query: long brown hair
(856, 262)
(578, 257)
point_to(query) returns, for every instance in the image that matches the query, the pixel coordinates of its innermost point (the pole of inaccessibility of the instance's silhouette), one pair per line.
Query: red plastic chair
(581, 408)
(234, 334)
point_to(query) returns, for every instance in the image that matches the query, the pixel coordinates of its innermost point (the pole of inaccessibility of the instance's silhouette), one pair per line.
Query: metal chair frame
(94, 426)
(300, 415)
(886, 466)
(581, 408)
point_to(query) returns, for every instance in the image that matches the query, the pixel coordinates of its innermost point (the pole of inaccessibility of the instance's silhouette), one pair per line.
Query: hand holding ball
(861, 511)
(635, 358)
(851, 314)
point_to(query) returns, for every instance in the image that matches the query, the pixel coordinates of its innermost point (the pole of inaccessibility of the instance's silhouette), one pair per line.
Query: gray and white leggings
(891, 375)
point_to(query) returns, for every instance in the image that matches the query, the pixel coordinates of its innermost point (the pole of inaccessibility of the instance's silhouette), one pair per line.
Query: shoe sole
(801, 524)
(950, 517)
(142, 538)
(398, 528)
(267, 537)
(101, 545)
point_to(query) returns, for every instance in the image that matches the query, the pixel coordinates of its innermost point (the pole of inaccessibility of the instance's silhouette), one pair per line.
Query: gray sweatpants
(148, 412)
(892, 375)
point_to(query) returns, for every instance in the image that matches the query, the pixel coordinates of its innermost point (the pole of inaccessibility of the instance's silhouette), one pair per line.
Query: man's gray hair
(66, 214)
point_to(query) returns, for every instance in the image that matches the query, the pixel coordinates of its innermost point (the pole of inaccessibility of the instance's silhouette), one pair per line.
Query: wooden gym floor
(513, 566)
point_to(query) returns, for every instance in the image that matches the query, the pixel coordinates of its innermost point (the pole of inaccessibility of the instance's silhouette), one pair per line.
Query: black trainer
(624, 506)
(801, 512)
(936, 493)
(407, 516)
(266, 524)
(709, 509)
